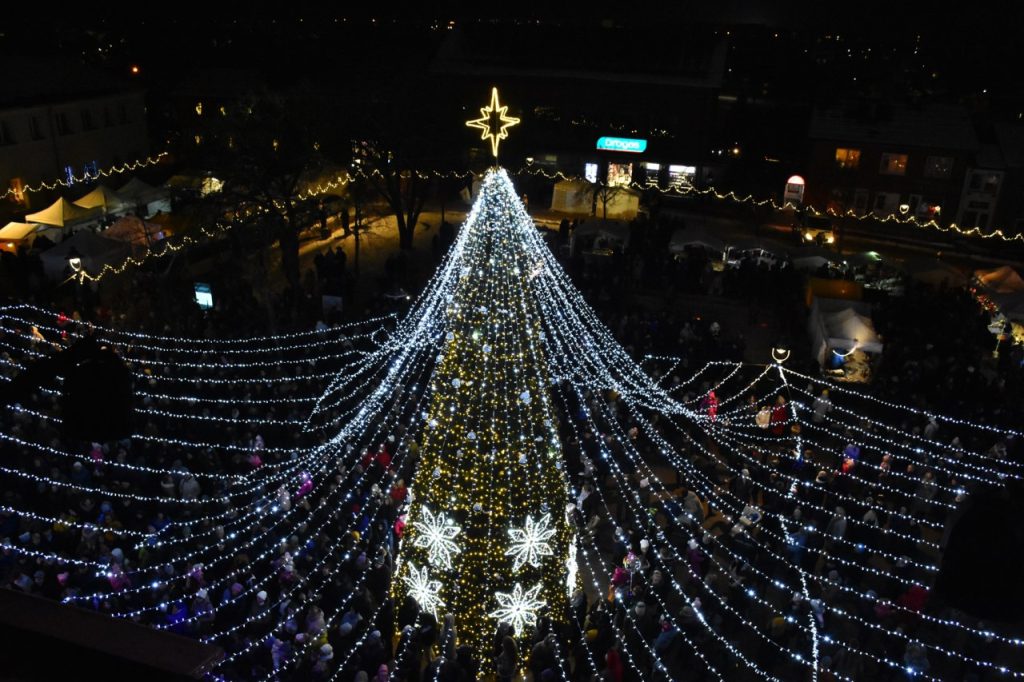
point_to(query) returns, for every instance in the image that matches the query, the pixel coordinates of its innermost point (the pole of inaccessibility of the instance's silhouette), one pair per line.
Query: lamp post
(75, 263)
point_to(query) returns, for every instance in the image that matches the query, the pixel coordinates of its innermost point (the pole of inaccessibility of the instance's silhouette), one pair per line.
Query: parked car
(817, 230)
(734, 257)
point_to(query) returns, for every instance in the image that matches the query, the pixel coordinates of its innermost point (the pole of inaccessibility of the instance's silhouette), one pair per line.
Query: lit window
(938, 167)
(18, 188)
(651, 171)
(680, 176)
(847, 158)
(985, 182)
(590, 172)
(620, 174)
(893, 164)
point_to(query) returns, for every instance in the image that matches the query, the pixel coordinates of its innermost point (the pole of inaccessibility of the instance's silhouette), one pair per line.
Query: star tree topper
(530, 542)
(518, 609)
(493, 122)
(435, 533)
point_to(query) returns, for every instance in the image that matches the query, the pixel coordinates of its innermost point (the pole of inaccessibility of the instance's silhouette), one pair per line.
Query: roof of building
(929, 125)
(30, 81)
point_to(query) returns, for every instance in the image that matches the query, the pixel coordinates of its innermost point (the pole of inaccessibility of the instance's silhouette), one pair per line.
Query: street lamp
(780, 353)
(75, 260)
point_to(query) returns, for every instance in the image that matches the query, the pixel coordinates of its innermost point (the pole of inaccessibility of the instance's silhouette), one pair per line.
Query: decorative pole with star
(487, 538)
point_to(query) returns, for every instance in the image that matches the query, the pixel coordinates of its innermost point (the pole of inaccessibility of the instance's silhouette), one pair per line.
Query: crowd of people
(759, 537)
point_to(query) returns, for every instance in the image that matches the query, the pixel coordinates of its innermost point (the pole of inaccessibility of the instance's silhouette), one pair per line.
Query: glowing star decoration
(435, 533)
(518, 608)
(530, 542)
(493, 122)
(423, 589)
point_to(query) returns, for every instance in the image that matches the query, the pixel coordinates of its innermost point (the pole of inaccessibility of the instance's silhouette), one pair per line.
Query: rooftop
(41, 80)
(927, 125)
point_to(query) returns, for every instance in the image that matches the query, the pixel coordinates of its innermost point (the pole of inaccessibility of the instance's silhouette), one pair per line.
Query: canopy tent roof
(860, 258)
(612, 229)
(103, 198)
(63, 213)
(95, 252)
(1011, 305)
(135, 231)
(14, 232)
(849, 329)
(1002, 280)
(684, 237)
(137, 192)
(812, 258)
(935, 272)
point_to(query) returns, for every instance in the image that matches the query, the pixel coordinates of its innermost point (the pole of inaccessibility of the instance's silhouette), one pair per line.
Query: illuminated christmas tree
(487, 521)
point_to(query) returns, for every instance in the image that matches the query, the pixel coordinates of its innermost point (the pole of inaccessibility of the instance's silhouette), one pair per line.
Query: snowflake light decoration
(435, 533)
(518, 608)
(530, 542)
(423, 589)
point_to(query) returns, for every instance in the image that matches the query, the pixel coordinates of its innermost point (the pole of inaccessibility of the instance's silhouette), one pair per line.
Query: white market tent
(692, 236)
(570, 196)
(1011, 305)
(145, 198)
(104, 199)
(576, 196)
(1002, 280)
(64, 214)
(94, 251)
(597, 233)
(840, 325)
(15, 232)
(811, 259)
(934, 272)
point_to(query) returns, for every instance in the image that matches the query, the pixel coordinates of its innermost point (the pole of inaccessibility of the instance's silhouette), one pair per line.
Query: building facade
(888, 159)
(60, 122)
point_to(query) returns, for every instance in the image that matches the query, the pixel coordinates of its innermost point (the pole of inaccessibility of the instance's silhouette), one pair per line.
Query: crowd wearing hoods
(675, 548)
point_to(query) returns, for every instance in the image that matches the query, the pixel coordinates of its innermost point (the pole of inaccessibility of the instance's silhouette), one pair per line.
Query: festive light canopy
(498, 391)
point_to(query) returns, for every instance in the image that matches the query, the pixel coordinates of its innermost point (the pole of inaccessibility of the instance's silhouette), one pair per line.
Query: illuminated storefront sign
(622, 144)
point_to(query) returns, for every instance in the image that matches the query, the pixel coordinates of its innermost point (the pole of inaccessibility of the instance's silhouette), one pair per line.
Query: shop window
(620, 174)
(938, 166)
(590, 172)
(847, 158)
(681, 176)
(893, 164)
(651, 173)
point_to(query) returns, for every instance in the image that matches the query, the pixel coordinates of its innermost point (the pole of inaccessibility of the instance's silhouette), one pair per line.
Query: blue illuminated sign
(622, 144)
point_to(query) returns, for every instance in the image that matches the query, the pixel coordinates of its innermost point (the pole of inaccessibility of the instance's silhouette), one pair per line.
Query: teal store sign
(622, 144)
